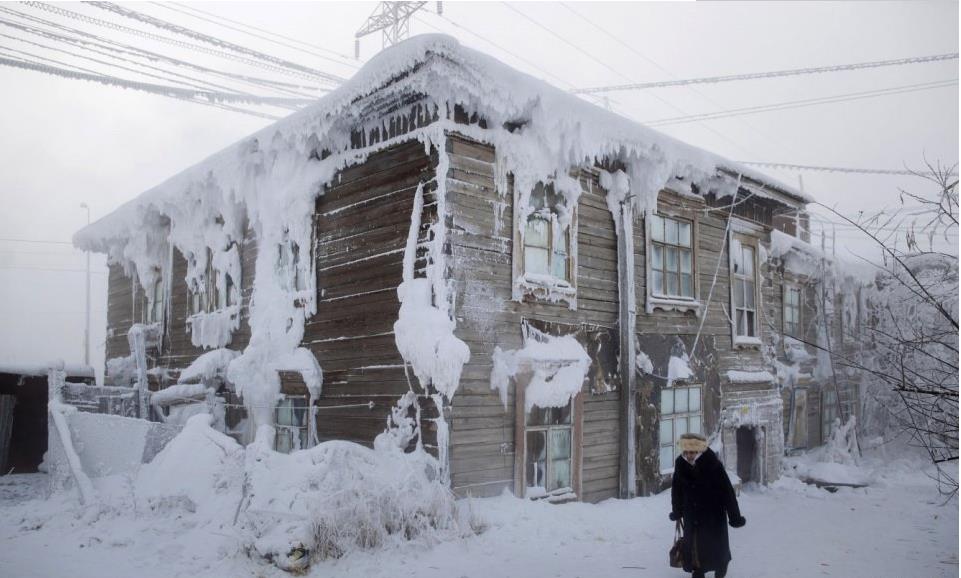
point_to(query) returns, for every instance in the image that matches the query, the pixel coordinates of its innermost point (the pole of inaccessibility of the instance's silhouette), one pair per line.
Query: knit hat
(692, 442)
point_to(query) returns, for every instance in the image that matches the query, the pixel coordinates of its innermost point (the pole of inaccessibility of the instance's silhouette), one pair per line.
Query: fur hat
(691, 442)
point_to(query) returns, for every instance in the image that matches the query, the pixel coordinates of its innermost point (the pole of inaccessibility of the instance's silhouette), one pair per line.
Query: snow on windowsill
(546, 287)
(214, 329)
(736, 376)
(681, 304)
(742, 341)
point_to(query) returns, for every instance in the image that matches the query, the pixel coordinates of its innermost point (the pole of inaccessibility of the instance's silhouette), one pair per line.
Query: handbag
(677, 550)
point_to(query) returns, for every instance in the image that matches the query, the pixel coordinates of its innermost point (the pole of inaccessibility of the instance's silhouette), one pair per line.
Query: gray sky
(65, 141)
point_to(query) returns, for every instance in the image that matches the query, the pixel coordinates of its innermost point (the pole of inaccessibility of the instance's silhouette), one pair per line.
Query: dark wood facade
(361, 225)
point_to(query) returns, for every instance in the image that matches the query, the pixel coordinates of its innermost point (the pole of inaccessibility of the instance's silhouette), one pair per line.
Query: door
(746, 454)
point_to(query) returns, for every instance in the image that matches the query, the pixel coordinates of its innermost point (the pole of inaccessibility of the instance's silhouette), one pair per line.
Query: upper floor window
(214, 290)
(289, 266)
(547, 243)
(792, 311)
(671, 257)
(155, 301)
(744, 288)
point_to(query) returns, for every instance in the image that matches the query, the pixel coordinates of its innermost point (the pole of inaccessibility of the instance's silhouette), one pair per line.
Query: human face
(690, 456)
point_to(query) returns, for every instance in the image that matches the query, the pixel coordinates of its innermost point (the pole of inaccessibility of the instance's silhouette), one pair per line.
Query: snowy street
(897, 527)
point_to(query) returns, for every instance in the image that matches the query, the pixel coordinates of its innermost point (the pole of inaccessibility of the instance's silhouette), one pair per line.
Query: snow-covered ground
(898, 526)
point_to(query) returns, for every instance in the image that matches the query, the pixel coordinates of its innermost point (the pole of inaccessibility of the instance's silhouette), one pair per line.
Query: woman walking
(703, 499)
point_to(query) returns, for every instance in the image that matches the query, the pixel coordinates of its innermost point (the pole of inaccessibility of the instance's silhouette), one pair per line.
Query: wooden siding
(360, 232)
(482, 428)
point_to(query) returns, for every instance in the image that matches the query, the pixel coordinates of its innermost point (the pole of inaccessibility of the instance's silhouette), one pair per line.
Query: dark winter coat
(702, 496)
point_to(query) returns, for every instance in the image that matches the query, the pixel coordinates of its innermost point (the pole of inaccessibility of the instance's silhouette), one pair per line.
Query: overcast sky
(65, 142)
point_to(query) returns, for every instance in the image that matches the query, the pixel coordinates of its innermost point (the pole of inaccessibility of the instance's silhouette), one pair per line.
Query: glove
(674, 516)
(738, 522)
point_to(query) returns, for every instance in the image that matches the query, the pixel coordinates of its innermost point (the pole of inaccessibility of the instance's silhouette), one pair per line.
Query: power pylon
(392, 19)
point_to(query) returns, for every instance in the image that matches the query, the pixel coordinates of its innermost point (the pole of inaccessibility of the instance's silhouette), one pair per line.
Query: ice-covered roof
(555, 125)
(41, 369)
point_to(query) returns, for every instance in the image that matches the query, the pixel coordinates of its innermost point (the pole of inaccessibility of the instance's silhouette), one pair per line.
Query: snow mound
(339, 497)
(200, 470)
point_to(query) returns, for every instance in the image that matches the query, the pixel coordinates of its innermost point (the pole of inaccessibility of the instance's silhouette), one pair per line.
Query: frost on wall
(267, 185)
(557, 368)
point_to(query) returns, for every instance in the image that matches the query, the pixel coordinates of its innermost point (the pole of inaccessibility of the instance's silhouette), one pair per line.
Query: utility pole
(392, 19)
(86, 328)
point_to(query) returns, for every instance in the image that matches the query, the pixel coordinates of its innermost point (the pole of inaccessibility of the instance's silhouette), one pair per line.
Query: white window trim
(543, 287)
(671, 303)
(744, 340)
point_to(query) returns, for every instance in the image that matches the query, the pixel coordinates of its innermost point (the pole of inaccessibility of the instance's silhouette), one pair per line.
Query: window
(792, 311)
(547, 450)
(744, 289)
(214, 290)
(671, 257)
(829, 413)
(289, 266)
(680, 414)
(155, 301)
(547, 242)
(290, 423)
(225, 292)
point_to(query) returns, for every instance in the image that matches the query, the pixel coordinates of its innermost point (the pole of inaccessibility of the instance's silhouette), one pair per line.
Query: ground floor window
(548, 449)
(680, 414)
(829, 413)
(290, 423)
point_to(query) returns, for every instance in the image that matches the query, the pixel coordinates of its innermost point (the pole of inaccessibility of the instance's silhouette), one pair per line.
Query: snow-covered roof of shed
(561, 125)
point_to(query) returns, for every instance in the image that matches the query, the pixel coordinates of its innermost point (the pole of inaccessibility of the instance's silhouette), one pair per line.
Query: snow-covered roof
(563, 126)
(41, 369)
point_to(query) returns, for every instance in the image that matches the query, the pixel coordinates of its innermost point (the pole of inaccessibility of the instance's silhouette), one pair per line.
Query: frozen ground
(896, 527)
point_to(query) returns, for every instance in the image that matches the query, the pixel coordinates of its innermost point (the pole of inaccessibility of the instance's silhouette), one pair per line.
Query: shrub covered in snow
(340, 496)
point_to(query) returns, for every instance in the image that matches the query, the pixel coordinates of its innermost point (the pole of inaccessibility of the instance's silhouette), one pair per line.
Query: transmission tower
(392, 19)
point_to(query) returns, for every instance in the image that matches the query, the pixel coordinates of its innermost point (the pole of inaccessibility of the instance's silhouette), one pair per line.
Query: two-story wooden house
(543, 294)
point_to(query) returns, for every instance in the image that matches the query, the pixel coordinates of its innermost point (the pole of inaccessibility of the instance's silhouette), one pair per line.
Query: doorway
(746, 454)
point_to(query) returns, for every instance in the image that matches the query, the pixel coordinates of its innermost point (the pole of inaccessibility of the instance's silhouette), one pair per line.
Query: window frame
(673, 416)
(754, 243)
(827, 421)
(667, 302)
(157, 298)
(549, 430)
(208, 298)
(539, 285)
(519, 449)
(786, 290)
(283, 430)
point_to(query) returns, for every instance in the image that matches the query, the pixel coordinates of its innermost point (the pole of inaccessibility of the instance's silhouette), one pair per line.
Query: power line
(780, 143)
(804, 103)
(770, 74)
(168, 91)
(188, 81)
(850, 170)
(183, 31)
(186, 10)
(163, 39)
(108, 44)
(617, 72)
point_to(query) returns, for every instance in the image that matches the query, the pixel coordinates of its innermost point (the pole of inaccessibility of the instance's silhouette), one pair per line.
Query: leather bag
(677, 550)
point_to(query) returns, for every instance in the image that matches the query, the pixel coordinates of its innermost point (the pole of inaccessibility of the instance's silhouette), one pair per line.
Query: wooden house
(532, 239)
